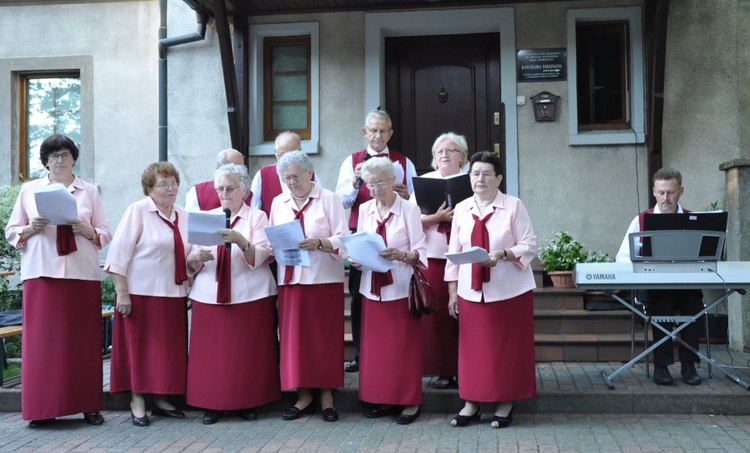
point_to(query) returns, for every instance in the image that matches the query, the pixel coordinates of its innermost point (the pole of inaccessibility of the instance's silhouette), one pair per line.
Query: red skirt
(496, 350)
(311, 331)
(149, 347)
(61, 370)
(390, 354)
(439, 329)
(233, 362)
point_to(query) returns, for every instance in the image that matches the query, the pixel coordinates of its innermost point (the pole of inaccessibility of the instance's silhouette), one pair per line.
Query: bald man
(203, 196)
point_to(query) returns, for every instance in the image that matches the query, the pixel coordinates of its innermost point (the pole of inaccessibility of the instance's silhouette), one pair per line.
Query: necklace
(301, 198)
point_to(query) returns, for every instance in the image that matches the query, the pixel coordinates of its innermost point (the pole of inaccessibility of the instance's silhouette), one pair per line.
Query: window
(286, 70)
(606, 76)
(284, 90)
(50, 104)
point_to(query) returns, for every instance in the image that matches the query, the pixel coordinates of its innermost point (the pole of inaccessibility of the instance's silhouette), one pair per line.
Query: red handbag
(421, 297)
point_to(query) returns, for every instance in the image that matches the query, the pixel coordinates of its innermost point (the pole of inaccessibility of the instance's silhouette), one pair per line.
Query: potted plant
(561, 256)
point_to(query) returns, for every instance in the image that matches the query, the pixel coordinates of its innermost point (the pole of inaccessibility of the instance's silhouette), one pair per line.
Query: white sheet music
(468, 256)
(203, 226)
(284, 239)
(56, 204)
(365, 249)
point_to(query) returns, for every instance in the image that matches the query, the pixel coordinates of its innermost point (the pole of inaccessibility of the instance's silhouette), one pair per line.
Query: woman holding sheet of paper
(440, 330)
(493, 300)
(62, 327)
(390, 367)
(311, 298)
(234, 364)
(147, 262)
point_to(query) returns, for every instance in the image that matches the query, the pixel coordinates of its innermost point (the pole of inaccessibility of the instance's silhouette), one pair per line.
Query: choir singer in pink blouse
(234, 364)
(493, 301)
(147, 261)
(390, 371)
(311, 298)
(62, 294)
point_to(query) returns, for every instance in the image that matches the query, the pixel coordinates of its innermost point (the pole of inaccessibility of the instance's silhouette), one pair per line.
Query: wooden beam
(228, 69)
(657, 17)
(241, 68)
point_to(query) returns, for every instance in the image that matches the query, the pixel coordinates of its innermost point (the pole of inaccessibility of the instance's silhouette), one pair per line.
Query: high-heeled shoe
(294, 412)
(459, 421)
(502, 422)
(139, 421)
(169, 413)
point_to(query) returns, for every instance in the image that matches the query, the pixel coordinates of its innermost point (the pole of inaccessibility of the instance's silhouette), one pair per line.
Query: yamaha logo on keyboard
(600, 276)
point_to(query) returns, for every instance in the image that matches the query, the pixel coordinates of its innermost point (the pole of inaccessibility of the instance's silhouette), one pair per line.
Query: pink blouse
(509, 228)
(39, 253)
(250, 281)
(324, 218)
(404, 232)
(142, 250)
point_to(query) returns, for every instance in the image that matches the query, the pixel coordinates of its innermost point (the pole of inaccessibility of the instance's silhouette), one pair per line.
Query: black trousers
(668, 302)
(355, 276)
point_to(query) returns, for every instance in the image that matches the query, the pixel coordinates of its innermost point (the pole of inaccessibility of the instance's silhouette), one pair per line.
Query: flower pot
(562, 279)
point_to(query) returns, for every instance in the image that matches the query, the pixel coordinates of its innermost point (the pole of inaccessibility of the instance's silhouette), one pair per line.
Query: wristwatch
(320, 244)
(246, 247)
(505, 255)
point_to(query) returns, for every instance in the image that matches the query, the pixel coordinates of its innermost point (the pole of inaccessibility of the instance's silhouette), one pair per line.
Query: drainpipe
(165, 43)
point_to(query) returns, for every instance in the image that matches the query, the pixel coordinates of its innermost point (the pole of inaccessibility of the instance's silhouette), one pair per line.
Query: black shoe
(459, 421)
(662, 376)
(499, 422)
(444, 382)
(294, 412)
(404, 419)
(169, 413)
(142, 421)
(383, 411)
(689, 375)
(210, 417)
(247, 414)
(40, 423)
(330, 414)
(93, 418)
(352, 367)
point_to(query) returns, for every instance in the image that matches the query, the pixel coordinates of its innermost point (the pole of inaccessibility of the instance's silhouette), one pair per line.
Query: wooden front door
(448, 83)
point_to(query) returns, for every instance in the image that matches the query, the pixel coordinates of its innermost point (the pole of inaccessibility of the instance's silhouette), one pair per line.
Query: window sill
(618, 137)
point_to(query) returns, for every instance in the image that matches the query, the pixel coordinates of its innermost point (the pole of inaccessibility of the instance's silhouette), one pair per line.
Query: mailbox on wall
(545, 106)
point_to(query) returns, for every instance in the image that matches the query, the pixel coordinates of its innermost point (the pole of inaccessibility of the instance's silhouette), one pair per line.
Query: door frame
(378, 26)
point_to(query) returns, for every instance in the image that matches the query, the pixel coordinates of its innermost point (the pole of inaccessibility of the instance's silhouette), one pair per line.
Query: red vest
(270, 187)
(208, 199)
(364, 193)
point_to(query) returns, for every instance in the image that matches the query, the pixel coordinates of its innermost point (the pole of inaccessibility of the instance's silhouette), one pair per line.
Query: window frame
(256, 33)
(635, 89)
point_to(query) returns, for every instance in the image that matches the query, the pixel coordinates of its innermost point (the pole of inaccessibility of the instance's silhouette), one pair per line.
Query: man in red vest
(203, 196)
(266, 183)
(667, 190)
(353, 192)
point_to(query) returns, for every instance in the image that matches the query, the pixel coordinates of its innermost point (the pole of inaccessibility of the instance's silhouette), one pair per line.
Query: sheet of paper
(470, 255)
(365, 249)
(56, 204)
(202, 228)
(398, 172)
(284, 239)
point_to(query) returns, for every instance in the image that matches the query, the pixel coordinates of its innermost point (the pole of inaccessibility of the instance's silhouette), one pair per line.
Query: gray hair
(294, 157)
(380, 114)
(458, 140)
(229, 156)
(286, 135)
(238, 172)
(377, 166)
(667, 173)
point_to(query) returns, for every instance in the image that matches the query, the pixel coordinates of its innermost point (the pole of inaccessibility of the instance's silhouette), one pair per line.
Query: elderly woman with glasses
(493, 300)
(62, 294)
(390, 370)
(147, 262)
(234, 363)
(311, 298)
(440, 330)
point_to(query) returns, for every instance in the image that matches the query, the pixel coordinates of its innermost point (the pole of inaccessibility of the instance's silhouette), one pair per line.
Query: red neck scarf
(380, 279)
(289, 270)
(480, 237)
(224, 272)
(180, 266)
(66, 240)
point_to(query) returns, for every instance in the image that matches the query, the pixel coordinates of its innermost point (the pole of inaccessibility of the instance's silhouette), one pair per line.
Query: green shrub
(563, 252)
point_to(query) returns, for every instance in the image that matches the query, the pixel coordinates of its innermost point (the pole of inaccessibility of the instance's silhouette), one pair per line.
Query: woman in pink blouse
(493, 300)
(311, 298)
(147, 261)
(390, 369)
(440, 330)
(234, 364)
(61, 371)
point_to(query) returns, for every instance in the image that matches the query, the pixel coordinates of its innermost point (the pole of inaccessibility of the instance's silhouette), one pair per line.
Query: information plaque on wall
(539, 65)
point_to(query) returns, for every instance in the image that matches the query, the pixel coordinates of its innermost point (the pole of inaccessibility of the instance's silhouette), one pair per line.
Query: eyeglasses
(446, 151)
(485, 175)
(291, 177)
(379, 185)
(227, 190)
(62, 155)
(167, 186)
(378, 131)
